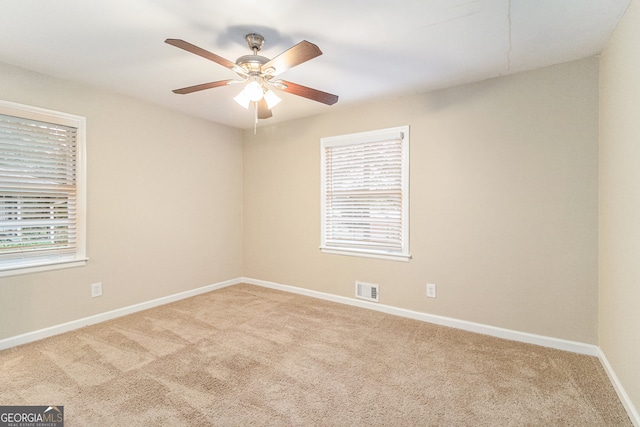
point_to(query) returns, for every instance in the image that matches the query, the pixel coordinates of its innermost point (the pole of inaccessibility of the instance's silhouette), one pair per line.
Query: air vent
(367, 291)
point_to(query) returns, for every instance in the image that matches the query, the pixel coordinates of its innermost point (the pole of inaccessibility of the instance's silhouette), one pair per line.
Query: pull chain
(255, 123)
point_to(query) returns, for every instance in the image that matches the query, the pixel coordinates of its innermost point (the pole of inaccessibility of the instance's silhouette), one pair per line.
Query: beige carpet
(246, 355)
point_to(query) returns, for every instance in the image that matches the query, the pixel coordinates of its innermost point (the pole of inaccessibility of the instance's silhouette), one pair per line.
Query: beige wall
(619, 308)
(503, 202)
(164, 206)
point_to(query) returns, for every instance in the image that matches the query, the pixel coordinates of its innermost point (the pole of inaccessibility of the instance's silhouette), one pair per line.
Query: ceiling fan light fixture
(243, 99)
(254, 91)
(271, 98)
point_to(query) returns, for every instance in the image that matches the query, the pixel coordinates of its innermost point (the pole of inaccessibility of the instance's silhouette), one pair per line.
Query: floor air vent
(367, 291)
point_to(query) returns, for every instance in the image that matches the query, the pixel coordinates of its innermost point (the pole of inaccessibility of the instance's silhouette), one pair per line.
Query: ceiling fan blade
(205, 54)
(263, 110)
(307, 92)
(296, 55)
(203, 86)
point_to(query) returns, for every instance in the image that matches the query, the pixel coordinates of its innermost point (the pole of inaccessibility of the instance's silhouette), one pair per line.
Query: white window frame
(28, 262)
(331, 245)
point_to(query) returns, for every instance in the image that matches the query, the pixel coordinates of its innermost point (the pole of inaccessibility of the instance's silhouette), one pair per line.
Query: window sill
(38, 266)
(367, 254)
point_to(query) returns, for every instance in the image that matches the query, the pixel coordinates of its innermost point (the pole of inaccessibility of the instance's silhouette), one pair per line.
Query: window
(365, 194)
(42, 189)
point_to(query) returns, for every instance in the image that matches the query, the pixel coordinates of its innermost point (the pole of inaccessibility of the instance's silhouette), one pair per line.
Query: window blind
(364, 186)
(38, 192)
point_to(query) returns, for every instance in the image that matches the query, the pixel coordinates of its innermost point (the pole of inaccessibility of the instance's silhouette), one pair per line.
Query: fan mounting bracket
(254, 41)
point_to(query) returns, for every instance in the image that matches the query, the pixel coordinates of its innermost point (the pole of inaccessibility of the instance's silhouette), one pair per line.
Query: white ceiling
(371, 48)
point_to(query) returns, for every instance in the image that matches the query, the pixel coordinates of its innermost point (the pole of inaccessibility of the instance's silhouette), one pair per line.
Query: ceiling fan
(260, 73)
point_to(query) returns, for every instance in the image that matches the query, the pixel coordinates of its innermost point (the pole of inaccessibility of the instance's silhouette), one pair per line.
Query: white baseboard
(622, 394)
(92, 320)
(559, 344)
(556, 343)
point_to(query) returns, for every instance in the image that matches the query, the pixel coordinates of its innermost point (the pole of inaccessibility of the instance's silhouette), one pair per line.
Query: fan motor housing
(252, 62)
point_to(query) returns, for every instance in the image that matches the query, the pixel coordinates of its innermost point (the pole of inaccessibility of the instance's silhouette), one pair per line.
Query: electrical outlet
(431, 290)
(96, 290)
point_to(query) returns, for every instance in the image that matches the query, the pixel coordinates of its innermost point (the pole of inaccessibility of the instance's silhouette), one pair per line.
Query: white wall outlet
(96, 289)
(431, 290)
